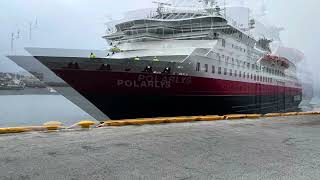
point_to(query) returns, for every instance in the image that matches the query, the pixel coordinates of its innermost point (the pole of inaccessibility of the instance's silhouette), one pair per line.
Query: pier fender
(14, 130)
(273, 115)
(289, 114)
(36, 128)
(305, 113)
(253, 116)
(235, 116)
(113, 123)
(211, 118)
(144, 121)
(181, 119)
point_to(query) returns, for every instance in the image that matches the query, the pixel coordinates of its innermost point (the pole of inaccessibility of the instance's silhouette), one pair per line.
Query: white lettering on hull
(154, 81)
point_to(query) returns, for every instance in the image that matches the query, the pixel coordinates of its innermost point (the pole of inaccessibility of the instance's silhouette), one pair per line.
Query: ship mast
(225, 8)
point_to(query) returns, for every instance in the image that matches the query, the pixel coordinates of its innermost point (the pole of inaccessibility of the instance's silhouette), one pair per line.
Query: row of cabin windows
(236, 73)
(246, 64)
(239, 48)
(239, 63)
(253, 66)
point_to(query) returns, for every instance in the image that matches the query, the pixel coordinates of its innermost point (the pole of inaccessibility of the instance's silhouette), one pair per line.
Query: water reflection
(17, 110)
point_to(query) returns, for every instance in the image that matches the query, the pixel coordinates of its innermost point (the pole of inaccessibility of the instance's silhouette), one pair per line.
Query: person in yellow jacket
(92, 56)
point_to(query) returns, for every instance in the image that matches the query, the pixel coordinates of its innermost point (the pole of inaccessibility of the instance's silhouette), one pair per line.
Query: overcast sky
(80, 23)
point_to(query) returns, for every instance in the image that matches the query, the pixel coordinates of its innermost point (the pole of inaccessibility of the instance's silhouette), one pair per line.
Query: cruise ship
(177, 61)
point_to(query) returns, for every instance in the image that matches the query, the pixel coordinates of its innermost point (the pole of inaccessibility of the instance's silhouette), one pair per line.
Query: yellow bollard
(52, 125)
(86, 124)
(57, 123)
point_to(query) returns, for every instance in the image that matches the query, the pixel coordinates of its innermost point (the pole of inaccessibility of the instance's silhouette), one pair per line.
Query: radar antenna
(161, 6)
(209, 3)
(212, 7)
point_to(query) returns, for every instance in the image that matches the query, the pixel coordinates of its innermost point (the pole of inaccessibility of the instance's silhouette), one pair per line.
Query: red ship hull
(131, 95)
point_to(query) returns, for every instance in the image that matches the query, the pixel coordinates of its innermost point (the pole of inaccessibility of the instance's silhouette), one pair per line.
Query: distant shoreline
(28, 91)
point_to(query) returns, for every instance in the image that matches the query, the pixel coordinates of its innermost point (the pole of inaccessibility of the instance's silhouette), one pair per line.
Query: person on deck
(92, 56)
(155, 58)
(136, 58)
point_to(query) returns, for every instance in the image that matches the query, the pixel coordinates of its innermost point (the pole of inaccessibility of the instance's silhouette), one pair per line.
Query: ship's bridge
(174, 33)
(158, 29)
(199, 28)
(166, 50)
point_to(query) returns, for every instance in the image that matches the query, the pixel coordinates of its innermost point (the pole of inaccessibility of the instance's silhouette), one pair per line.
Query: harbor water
(24, 110)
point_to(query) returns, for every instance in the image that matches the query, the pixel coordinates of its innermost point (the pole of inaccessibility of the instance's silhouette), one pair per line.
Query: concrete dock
(266, 148)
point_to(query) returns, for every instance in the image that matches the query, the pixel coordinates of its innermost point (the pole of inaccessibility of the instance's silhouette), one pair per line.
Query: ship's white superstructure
(205, 39)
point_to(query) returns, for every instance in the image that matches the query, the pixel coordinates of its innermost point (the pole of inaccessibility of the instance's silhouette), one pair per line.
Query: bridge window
(206, 68)
(219, 57)
(198, 67)
(223, 43)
